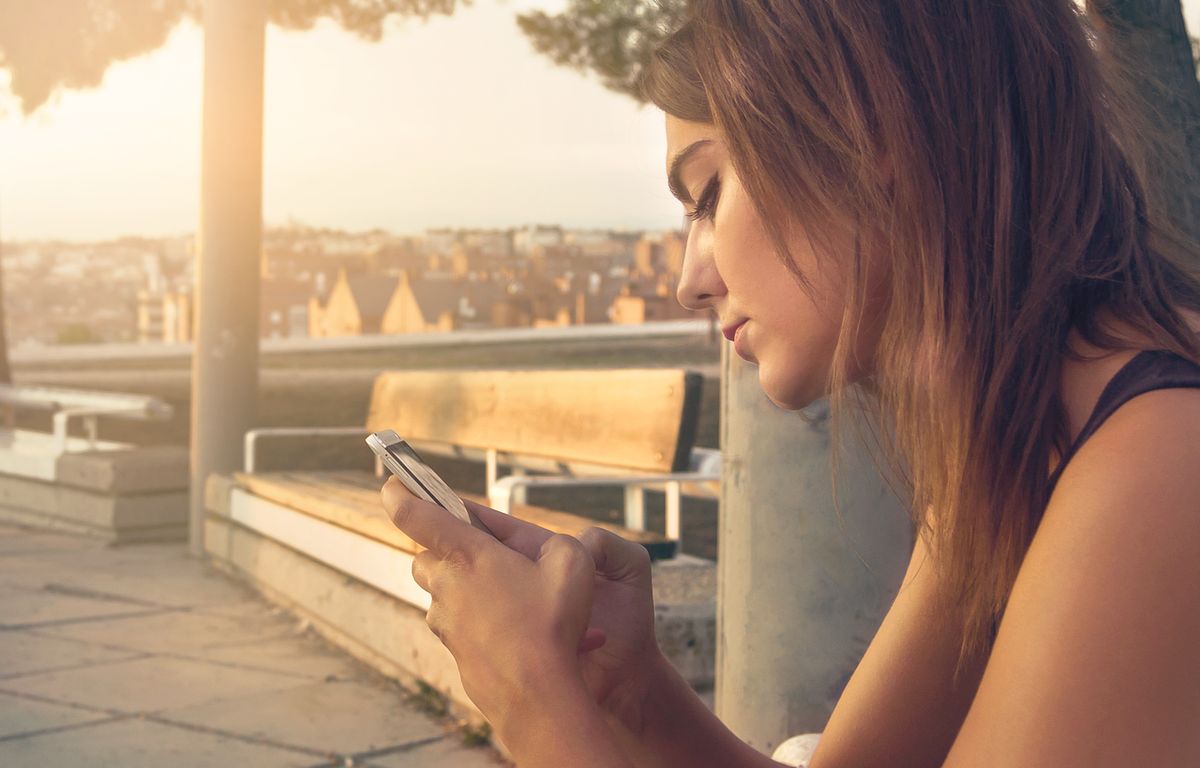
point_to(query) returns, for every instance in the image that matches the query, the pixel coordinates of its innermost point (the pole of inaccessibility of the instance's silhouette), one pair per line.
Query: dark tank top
(1145, 372)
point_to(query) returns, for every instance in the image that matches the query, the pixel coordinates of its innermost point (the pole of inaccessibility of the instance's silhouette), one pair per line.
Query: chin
(787, 389)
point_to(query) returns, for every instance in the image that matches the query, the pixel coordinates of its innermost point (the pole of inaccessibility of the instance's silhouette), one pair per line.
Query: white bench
(84, 484)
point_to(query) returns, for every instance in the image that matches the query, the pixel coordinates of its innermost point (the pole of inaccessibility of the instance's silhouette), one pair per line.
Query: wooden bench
(320, 543)
(84, 484)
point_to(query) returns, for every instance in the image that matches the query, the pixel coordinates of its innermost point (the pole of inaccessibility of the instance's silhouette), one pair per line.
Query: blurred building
(355, 306)
(149, 316)
(421, 306)
(641, 303)
(283, 308)
(178, 317)
(524, 240)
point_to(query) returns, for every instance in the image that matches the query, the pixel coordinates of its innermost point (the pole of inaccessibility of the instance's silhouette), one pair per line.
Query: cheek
(793, 331)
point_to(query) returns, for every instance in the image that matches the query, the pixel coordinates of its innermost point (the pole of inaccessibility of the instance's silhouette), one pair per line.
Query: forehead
(681, 134)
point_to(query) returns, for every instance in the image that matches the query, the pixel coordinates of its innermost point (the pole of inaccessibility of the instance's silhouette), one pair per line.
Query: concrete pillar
(796, 606)
(225, 362)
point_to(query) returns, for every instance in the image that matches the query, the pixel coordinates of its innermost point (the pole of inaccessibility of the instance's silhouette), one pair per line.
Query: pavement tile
(148, 685)
(27, 570)
(97, 556)
(339, 717)
(250, 606)
(19, 715)
(26, 652)
(173, 632)
(23, 608)
(174, 584)
(44, 542)
(141, 744)
(301, 655)
(447, 753)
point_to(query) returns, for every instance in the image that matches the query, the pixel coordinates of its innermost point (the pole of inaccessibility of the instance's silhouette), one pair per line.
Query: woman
(935, 199)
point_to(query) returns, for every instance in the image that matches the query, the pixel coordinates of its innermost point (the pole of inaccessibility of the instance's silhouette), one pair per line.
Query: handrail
(37, 397)
(67, 404)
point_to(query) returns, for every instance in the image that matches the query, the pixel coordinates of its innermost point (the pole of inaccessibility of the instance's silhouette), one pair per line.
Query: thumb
(616, 558)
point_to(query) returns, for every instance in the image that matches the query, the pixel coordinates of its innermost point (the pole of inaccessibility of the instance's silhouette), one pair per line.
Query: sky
(451, 122)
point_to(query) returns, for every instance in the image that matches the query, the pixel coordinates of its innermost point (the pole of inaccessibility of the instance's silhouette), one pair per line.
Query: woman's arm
(1098, 658)
(903, 704)
(556, 723)
(672, 726)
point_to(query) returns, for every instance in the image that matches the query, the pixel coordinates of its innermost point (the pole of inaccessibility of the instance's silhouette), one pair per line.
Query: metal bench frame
(68, 404)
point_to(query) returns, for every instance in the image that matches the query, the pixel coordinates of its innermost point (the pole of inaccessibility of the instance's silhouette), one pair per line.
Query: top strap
(1147, 371)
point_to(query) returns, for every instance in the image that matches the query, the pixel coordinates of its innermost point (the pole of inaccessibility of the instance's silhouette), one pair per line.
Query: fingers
(616, 558)
(565, 557)
(428, 524)
(519, 535)
(422, 570)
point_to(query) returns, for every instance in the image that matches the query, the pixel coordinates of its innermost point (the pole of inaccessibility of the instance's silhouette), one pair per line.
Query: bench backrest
(641, 419)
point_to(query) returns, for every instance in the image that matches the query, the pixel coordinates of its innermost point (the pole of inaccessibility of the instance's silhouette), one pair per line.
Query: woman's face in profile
(732, 267)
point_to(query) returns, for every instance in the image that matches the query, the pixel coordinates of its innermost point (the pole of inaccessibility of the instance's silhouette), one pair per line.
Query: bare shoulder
(1098, 658)
(1150, 445)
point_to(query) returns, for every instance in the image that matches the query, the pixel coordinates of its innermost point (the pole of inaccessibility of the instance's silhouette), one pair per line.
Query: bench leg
(673, 515)
(635, 508)
(491, 470)
(519, 495)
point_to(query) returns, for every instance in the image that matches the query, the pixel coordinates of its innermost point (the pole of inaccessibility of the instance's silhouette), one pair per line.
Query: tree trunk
(1151, 39)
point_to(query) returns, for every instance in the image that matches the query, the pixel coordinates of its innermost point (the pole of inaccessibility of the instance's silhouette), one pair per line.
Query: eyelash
(706, 207)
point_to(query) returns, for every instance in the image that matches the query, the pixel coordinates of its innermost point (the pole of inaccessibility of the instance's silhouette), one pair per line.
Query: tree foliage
(612, 39)
(50, 45)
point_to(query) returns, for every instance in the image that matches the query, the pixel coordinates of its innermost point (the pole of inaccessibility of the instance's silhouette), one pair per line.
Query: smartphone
(403, 462)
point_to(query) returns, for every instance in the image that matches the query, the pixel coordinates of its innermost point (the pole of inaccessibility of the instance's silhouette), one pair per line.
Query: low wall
(329, 384)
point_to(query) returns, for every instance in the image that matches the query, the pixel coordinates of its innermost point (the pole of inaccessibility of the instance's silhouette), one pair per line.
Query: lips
(730, 331)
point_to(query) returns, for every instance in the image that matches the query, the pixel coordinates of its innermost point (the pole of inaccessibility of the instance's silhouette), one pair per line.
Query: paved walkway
(142, 656)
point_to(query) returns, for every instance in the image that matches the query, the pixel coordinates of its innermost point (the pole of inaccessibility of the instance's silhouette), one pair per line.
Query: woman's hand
(530, 614)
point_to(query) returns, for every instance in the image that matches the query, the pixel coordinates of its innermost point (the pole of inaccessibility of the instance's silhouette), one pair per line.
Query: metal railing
(87, 406)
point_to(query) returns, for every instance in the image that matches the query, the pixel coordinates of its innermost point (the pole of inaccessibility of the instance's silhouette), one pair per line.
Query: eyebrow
(673, 181)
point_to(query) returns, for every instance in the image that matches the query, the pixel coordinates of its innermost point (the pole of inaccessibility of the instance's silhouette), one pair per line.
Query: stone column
(796, 605)
(225, 360)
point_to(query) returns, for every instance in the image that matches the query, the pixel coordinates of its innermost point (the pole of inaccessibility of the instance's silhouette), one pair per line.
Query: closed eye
(706, 207)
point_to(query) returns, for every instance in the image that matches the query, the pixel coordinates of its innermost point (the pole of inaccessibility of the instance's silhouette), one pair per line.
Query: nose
(700, 285)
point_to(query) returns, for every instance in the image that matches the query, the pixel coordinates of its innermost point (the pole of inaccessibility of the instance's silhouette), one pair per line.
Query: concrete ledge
(117, 517)
(132, 470)
(153, 533)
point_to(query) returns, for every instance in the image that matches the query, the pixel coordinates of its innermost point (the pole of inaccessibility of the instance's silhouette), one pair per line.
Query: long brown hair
(998, 194)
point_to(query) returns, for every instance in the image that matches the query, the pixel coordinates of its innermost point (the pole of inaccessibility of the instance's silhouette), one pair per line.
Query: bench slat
(642, 419)
(350, 499)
